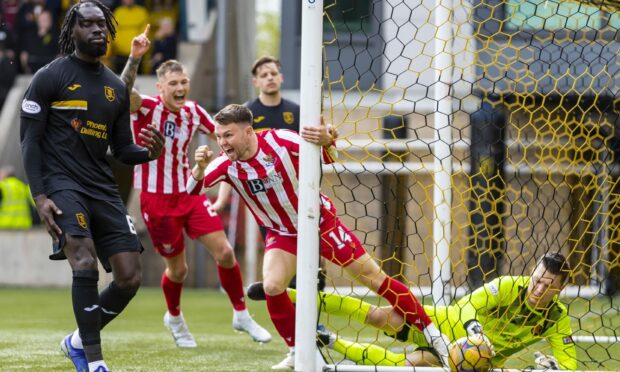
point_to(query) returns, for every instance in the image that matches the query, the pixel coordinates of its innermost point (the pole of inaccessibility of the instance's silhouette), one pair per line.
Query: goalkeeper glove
(474, 328)
(543, 361)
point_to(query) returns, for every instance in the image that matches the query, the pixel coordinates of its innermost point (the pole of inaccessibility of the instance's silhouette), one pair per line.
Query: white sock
(76, 340)
(437, 340)
(242, 313)
(92, 366)
(176, 317)
(431, 332)
(291, 349)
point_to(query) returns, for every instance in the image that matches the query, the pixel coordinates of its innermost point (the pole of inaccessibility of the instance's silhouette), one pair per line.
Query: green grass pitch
(34, 321)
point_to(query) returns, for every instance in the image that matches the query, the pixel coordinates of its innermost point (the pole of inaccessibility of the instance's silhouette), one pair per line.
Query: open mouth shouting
(179, 99)
(229, 151)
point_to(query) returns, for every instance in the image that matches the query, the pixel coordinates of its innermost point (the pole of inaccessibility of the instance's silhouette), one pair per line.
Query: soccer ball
(470, 354)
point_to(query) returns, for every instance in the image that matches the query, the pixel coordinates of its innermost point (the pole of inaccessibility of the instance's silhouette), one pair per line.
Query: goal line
(355, 368)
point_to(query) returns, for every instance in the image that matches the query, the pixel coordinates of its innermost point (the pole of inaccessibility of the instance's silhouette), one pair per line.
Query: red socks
(404, 302)
(229, 278)
(172, 294)
(233, 285)
(282, 313)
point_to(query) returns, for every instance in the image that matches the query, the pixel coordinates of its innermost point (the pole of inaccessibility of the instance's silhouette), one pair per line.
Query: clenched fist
(203, 156)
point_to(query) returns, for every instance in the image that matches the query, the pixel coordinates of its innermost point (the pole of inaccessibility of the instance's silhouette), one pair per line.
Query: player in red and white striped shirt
(263, 168)
(167, 208)
(168, 175)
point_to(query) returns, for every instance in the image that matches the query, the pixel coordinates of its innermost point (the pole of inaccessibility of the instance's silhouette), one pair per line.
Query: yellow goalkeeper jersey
(507, 320)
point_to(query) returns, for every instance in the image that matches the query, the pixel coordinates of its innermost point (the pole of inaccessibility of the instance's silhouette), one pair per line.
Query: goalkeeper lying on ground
(513, 312)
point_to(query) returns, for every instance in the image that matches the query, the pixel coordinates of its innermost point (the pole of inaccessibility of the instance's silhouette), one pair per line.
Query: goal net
(474, 138)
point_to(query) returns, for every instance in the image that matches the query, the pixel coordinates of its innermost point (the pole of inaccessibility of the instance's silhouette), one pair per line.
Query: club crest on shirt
(109, 93)
(288, 117)
(269, 159)
(76, 124)
(81, 220)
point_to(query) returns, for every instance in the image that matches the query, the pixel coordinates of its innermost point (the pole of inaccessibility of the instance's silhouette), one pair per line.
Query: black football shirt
(85, 109)
(283, 116)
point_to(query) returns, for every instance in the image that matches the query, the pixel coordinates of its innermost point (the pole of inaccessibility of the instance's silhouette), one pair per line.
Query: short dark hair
(263, 60)
(171, 65)
(556, 264)
(234, 113)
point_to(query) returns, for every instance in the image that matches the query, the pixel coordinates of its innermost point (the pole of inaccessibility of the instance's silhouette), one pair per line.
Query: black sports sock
(93, 352)
(322, 276)
(85, 298)
(113, 300)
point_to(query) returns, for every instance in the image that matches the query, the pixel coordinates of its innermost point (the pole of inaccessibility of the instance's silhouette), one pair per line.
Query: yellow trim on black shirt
(70, 105)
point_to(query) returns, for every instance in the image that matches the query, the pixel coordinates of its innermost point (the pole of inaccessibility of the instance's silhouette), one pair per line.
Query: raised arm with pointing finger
(167, 209)
(139, 46)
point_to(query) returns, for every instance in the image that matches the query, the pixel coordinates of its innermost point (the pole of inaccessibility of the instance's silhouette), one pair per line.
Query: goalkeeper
(511, 312)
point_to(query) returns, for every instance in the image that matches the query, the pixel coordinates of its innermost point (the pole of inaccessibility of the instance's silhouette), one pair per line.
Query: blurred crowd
(29, 31)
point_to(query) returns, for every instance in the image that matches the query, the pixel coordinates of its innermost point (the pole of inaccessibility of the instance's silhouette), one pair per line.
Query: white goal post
(308, 209)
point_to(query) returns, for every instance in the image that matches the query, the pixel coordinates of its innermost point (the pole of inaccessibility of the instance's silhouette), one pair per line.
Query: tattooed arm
(129, 77)
(139, 46)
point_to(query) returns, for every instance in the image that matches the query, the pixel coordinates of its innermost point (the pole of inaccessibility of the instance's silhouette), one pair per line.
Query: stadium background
(543, 92)
(563, 139)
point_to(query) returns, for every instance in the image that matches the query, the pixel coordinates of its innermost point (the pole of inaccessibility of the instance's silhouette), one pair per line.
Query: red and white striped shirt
(268, 182)
(169, 173)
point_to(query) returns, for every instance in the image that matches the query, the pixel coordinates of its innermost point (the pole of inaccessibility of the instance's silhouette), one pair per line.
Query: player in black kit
(73, 111)
(270, 109)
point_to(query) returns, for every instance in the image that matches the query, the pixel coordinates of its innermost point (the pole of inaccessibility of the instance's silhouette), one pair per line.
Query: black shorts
(105, 222)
